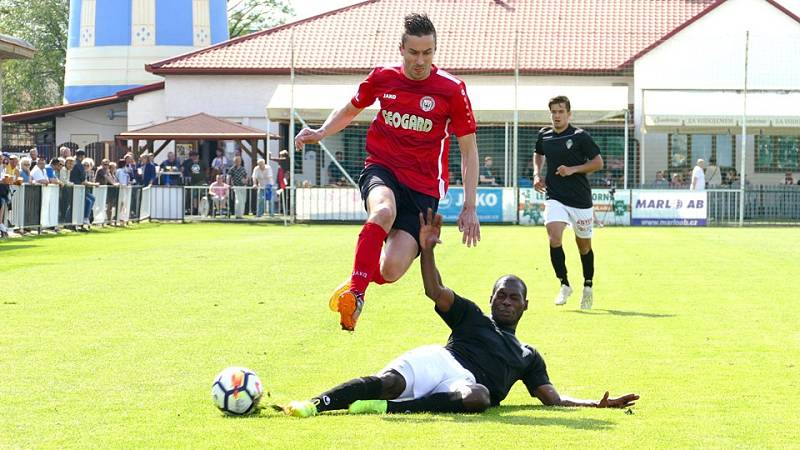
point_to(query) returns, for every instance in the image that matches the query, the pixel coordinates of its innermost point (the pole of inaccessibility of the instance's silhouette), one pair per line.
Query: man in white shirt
(263, 180)
(698, 176)
(38, 174)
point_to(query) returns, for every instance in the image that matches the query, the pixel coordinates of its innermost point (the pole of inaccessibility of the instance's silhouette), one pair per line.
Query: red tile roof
(579, 36)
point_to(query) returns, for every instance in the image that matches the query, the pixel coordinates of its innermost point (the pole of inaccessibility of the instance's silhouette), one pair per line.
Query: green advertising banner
(611, 207)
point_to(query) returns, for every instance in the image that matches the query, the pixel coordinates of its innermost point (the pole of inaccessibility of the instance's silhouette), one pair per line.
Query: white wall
(146, 110)
(239, 98)
(709, 55)
(91, 121)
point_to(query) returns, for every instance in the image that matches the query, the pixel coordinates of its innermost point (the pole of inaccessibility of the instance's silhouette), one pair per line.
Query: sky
(308, 8)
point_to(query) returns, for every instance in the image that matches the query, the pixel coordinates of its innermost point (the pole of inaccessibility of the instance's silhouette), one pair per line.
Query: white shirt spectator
(39, 175)
(698, 179)
(63, 175)
(123, 177)
(263, 178)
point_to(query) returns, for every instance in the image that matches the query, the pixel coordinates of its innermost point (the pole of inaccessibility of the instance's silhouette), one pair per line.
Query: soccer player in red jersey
(406, 169)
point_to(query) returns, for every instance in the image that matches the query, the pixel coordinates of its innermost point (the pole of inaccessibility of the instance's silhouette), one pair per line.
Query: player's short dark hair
(54, 161)
(514, 278)
(418, 25)
(559, 99)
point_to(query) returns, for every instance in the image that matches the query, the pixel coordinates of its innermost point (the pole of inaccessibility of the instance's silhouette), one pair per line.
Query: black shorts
(409, 202)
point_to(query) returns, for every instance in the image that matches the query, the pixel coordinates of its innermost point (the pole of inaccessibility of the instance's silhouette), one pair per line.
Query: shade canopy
(491, 103)
(770, 112)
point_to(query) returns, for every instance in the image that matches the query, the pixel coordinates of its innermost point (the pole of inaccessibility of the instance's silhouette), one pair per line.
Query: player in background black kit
(571, 154)
(482, 360)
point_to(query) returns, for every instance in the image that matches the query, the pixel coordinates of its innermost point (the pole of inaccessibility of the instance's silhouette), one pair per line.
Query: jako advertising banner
(665, 208)
(611, 207)
(489, 204)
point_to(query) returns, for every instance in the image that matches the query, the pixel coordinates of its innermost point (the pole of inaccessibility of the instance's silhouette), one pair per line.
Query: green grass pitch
(111, 339)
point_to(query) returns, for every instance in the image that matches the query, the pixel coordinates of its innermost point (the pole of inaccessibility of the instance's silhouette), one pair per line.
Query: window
(683, 150)
(725, 149)
(777, 153)
(678, 151)
(701, 147)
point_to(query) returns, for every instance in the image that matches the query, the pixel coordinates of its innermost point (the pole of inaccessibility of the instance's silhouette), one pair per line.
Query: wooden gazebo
(192, 129)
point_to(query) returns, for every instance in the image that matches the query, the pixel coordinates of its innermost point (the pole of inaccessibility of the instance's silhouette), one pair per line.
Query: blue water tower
(110, 41)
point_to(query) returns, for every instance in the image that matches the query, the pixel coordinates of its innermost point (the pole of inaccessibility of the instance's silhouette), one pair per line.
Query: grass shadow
(6, 247)
(506, 415)
(34, 236)
(616, 312)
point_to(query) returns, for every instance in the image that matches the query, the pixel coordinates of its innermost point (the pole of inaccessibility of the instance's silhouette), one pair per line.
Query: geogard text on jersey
(407, 121)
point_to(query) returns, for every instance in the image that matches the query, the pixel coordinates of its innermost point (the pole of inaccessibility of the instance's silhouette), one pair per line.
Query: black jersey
(572, 147)
(493, 354)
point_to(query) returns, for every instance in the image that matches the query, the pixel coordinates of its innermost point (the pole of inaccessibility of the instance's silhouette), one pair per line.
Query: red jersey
(410, 136)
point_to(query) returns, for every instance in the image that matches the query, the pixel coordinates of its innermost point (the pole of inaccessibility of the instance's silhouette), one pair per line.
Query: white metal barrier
(78, 205)
(17, 212)
(124, 203)
(144, 208)
(335, 203)
(99, 210)
(49, 206)
(166, 202)
(236, 201)
(36, 206)
(49, 211)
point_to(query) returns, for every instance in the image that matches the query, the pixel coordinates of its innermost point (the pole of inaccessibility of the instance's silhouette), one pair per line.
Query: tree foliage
(38, 82)
(248, 16)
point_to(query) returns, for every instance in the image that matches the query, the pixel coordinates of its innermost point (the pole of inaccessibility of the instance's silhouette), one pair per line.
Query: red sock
(377, 278)
(368, 256)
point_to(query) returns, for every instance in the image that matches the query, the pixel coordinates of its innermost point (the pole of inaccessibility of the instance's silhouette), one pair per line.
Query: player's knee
(477, 399)
(392, 271)
(555, 241)
(392, 385)
(382, 214)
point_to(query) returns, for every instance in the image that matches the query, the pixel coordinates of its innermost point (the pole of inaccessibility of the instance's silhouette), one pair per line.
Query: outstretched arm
(335, 123)
(430, 227)
(550, 397)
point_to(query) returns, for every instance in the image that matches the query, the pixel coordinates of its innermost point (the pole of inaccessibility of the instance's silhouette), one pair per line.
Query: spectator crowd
(72, 168)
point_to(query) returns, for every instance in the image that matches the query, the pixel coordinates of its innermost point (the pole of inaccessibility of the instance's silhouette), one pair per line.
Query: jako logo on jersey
(407, 121)
(427, 103)
(390, 96)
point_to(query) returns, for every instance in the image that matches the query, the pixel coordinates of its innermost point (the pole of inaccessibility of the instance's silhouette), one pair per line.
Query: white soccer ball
(237, 391)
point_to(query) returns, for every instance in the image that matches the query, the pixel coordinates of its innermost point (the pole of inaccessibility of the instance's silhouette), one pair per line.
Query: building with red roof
(619, 61)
